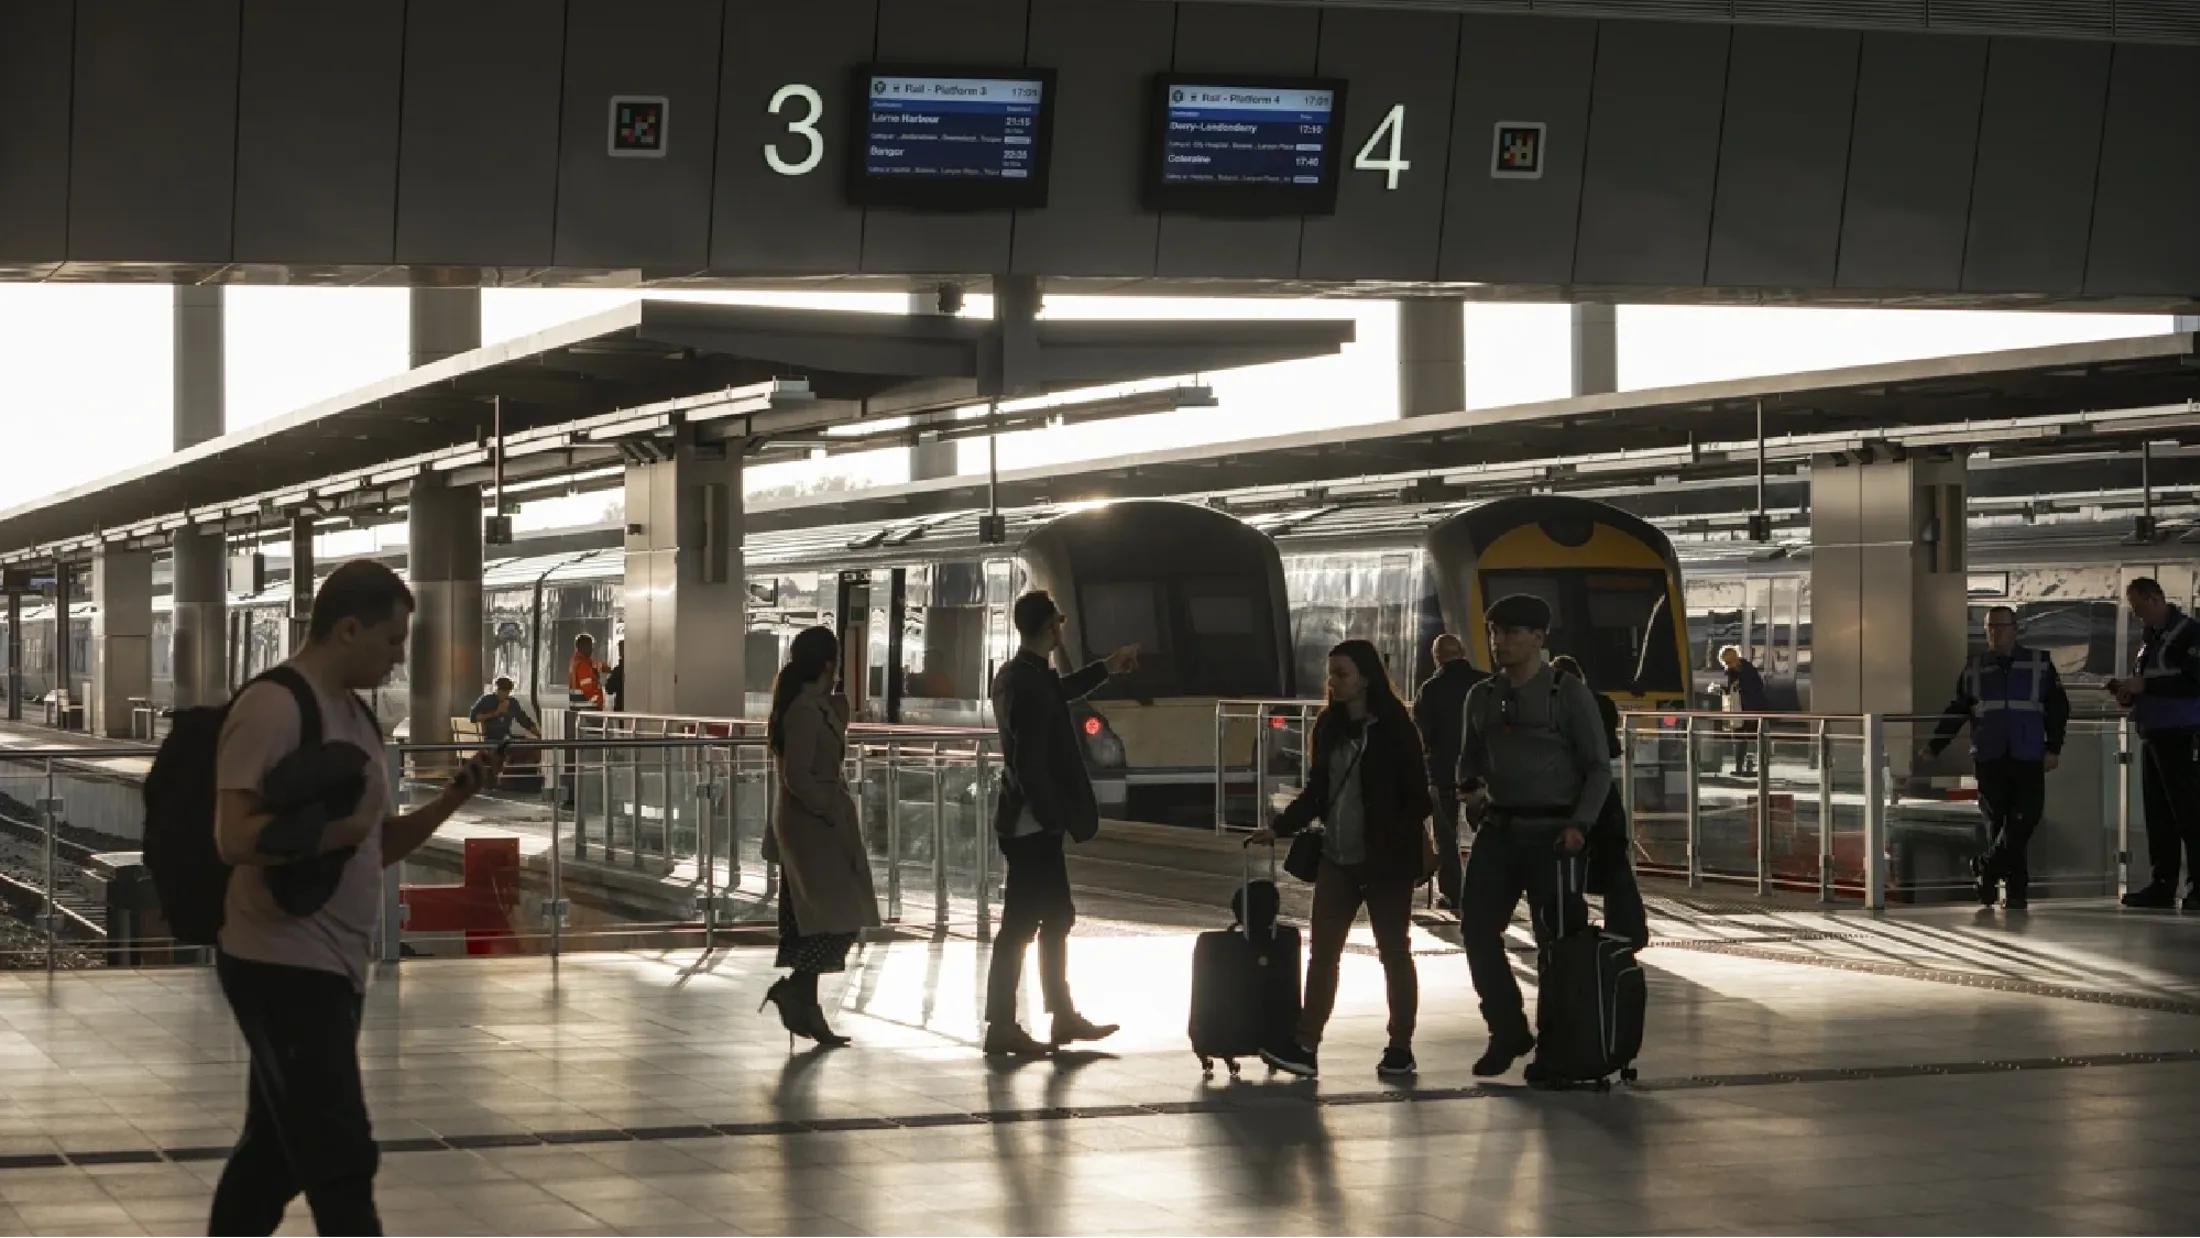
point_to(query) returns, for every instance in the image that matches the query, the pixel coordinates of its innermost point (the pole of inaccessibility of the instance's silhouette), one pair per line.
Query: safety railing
(1849, 808)
(1260, 748)
(1853, 808)
(607, 843)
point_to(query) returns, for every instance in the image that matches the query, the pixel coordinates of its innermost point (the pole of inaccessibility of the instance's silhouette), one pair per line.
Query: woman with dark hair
(1367, 781)
(825, 894)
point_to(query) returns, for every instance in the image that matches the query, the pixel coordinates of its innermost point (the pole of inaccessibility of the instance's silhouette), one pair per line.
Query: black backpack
(180, 853)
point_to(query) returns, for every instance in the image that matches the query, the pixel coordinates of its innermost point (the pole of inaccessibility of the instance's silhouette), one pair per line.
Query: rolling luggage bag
(1245, 978)
(1590, 999)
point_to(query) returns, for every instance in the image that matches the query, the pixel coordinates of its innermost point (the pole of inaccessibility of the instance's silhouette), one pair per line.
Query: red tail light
(1276, 722)
(1092, 726)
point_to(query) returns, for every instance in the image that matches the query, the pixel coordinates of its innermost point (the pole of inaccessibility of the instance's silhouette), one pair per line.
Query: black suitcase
(1245, 979)
(1590, 999)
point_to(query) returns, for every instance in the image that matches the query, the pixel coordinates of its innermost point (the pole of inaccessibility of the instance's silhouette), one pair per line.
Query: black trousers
(2012, 795)
(1034, 903)
(305, 1127)
(1510, 861)
(1449, 872)
(2172, 802)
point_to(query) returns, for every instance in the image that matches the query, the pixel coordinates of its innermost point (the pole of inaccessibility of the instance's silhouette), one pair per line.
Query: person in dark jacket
(1045, 795)
(1746, 683)
(2018, 712)
(615, 682)
(1437, 710)
(1611, 864)
(1368, 785)
(2163, 695)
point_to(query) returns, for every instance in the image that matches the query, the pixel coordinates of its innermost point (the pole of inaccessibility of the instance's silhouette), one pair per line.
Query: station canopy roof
(2050, 401)
(575, 393)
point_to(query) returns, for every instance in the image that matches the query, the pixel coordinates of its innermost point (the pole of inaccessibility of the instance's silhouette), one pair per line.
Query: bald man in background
(1438, 710)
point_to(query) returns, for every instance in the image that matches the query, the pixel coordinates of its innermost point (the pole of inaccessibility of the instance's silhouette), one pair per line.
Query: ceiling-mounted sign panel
(1227, 145)
(638, 126)
(965, 139)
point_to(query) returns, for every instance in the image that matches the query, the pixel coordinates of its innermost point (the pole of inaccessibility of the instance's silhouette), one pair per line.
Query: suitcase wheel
(1233, 1064)
(1206, 1065)
(1627, 1074)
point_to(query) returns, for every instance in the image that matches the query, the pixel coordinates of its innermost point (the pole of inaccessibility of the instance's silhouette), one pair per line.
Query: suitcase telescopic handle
(1245, 878)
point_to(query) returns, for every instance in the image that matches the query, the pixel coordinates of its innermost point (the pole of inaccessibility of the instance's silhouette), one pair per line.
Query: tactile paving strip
(1968, 980)
(1244, 1100)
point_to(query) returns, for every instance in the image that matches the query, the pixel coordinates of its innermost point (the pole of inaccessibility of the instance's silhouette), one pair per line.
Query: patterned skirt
(820, 952)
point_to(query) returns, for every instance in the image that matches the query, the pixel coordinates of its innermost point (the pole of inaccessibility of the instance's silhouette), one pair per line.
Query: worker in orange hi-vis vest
(584, 682)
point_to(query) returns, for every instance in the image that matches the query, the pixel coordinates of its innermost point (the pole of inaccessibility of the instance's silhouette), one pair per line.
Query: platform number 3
(803, 126)
(1392, 160)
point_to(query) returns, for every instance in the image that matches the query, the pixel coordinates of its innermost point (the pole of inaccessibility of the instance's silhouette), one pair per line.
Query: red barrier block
(480, 906)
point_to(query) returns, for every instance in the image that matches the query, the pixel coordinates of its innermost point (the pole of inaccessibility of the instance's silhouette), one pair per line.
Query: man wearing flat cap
(1534, 770)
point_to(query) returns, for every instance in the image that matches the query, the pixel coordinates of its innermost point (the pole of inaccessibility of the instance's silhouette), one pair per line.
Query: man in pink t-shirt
(295, 982)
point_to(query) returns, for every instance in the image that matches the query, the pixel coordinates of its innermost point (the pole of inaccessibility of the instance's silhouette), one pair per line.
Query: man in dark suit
(1045, 794)
(1438, 711)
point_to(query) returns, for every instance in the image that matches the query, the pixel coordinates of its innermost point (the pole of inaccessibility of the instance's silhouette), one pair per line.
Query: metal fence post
(1825, 813)
(1627, 766)
(1875, 812)
(49, 813)
(706, 839)
(984, 848)
(1764, 807)
(2125, 759)
(553, 906)
(1695, 805)
(1221, 766)
(893, 832)
(939, 841)
(1260, 779)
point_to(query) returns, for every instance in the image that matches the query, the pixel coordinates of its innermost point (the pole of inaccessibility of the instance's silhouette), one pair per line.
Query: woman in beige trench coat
(825, 892)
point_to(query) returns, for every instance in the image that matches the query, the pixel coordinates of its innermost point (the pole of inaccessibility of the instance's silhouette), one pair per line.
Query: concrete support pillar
(122, 639)
(302, 571)
(199, 619)
(200, 596)
(1888, 584)
(443, 561)
(930, 461)
(1432, 356)
(686, 595)
(64, 646)
(1596, 349)
(445, 323)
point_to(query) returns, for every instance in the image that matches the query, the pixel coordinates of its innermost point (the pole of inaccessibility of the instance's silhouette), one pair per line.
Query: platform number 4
(1393, 159)
(803, 125)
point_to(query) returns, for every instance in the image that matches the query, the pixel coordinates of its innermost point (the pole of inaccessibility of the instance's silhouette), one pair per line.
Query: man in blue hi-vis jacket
(2018, 712)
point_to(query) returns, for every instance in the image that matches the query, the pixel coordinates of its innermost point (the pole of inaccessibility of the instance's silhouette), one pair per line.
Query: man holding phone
(296, 979)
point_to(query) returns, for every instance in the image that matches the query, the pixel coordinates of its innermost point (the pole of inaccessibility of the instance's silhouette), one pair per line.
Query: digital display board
(960, 139)
(1234, 145)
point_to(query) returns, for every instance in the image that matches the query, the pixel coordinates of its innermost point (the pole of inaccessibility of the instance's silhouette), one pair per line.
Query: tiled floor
(631, 1093)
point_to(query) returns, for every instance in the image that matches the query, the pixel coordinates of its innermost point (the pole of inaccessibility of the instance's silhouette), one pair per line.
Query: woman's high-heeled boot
(813, 1013)
(786, 994)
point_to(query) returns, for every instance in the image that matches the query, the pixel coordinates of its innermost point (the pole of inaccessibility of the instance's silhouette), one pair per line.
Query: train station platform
(1928, 1071)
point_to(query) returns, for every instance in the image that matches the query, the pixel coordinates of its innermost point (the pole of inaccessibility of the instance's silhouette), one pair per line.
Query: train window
(1616, 623)
(1126, 612)
(1215, 615)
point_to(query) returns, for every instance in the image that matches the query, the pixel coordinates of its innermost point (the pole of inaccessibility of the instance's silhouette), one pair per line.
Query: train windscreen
(1204, 636)
(1617, 622)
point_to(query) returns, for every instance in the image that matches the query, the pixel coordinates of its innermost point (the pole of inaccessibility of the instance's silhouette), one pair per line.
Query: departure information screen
(1243, 146)
(965, 140)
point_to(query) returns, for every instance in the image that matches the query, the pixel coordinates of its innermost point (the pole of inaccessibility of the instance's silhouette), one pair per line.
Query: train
(1237, 604)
